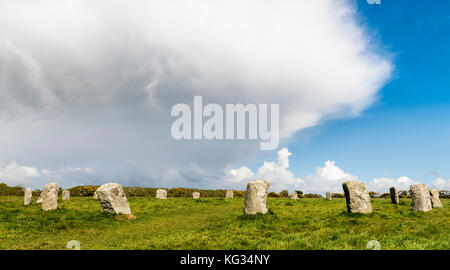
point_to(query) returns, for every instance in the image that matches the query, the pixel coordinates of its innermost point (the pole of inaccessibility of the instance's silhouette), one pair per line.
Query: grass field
(218, 223)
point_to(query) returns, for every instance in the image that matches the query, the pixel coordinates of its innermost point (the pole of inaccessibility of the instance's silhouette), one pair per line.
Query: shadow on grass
(403, 202)
(356, 215)
(270, 215)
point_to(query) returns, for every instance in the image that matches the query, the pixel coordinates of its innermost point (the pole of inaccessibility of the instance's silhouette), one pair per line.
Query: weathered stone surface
(357, 197)
(195, 195)
(256, 197)
(28, 197)
(434, 196)
(65, 195)
(113, 199)
(95, 197)
(394, 195)
(39, 200)
(161, 194)
(230, 194)
(50, 197)
(328, 196)
(294, 195)
(420, 198)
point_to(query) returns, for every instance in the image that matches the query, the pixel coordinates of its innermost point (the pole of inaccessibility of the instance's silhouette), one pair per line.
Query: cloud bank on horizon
(87, 91)
(328, 178)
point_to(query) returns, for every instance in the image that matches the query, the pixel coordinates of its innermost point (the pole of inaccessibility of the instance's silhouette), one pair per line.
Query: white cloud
(99, 83)
(441, 184)
(331, 172)
(13, 172)
(328, 178)
(276, 173)
(383, 184)
(240, 175)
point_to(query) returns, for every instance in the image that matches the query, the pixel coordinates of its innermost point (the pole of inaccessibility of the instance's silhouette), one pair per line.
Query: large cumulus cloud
(91, 83)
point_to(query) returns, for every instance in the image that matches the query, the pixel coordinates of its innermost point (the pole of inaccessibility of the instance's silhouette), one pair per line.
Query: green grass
(217, 223)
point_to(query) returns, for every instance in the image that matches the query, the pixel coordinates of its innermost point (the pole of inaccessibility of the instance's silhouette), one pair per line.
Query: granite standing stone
(65, 195)
(256, 197)
(357, 197)
(161, 194)
(294, 195)
(195, 195)
(95, 197)
(229, 194)
(394, 195)
(328, 195)
(421, 200)
(28, 197)
(50, 197)
(113, 199)
(434, 196)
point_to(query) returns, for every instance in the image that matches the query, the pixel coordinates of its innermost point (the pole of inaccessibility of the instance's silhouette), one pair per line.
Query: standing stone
(195, 195)
(161, 194)
(357, 197)
(229, 194)
(65, 195)
(113, 200)
(294, 195)
(420, 198)
(50, 197)
(256, 197)
(435, 201)
(95, 197)
(39, 200)
(328, 195)
(394, 195)
(28, 198)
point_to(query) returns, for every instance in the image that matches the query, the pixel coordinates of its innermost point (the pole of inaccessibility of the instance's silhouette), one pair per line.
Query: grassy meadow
(218, 223)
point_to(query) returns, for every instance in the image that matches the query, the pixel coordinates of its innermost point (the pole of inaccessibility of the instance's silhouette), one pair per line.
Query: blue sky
(407, 132)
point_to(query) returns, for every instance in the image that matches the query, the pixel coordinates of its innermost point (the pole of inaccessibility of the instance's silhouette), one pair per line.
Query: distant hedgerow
(273, 195)
(337, 195)
(284, 194)
(11, 191)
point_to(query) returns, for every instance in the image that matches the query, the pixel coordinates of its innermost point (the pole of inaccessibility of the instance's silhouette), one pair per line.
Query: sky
(86, 92)
(404, 133)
